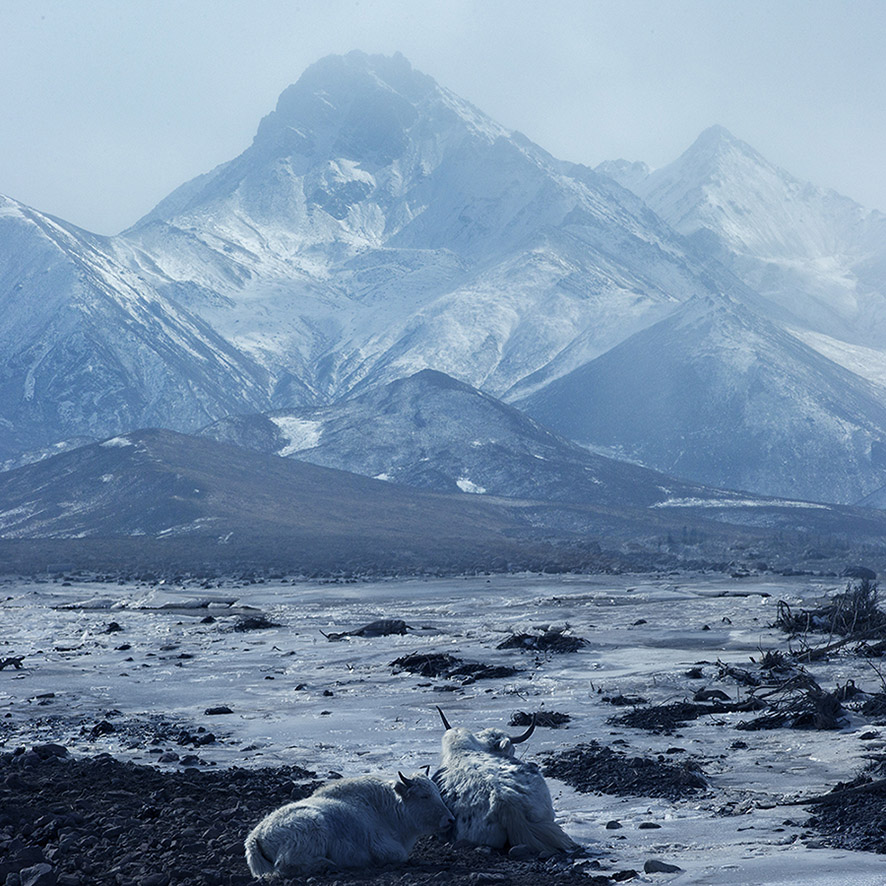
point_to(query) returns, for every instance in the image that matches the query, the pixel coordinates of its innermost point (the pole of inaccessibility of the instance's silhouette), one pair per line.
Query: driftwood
(836, 796)
(817, 652)
(381, 628)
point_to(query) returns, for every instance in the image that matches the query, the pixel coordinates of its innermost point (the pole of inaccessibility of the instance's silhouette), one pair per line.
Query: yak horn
(406, 781)
(526, 734)
(443, 718)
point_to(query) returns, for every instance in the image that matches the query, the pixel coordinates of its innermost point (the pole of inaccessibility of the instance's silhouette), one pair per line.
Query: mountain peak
(359, 103)
(716, 145)
(362, 107)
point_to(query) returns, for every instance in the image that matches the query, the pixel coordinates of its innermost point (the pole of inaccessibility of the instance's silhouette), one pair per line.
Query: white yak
(351, 823)
(496, 799)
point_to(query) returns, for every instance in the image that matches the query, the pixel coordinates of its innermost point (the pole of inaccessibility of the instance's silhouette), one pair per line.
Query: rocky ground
(67, 821)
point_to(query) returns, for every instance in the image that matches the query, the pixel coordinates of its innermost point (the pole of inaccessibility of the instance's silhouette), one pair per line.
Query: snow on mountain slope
(379, 225)
(719, 394)
(89, 349)
(819, 256)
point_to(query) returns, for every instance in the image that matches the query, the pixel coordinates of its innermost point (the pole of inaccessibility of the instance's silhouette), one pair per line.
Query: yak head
(489, 741)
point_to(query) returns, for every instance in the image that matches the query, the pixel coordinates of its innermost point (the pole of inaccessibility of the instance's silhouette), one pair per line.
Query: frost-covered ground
(148, 661)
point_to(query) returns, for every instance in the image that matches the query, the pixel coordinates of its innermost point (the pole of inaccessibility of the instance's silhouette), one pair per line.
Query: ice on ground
(149, 652)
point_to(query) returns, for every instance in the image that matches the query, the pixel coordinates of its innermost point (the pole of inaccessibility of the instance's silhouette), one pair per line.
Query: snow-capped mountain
(817, 255)
(379, 225)
(434, 432)
(89, 349)
(720, 394)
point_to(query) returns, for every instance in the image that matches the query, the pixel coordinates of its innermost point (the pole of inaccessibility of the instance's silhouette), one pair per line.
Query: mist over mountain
(385, 265)
(433, 432)
(718, 393)
(379, 225)
(817, 256)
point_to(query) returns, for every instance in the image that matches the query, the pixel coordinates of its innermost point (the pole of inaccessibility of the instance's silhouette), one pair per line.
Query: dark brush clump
(800, 703)
(442, 664)
(590, 767)
(550, 640)
(254, 623)
(855, 612)
(550, 719)
(852, 815)
(664, 718)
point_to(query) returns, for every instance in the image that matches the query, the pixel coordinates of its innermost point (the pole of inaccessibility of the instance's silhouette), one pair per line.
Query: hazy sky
(107, 105)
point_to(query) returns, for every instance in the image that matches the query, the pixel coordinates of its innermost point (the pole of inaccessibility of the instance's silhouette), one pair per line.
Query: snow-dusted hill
(721, 395)
(434, 432)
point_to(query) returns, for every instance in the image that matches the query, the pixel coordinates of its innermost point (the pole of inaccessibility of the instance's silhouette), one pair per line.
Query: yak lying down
(496, 799)
(352, 823)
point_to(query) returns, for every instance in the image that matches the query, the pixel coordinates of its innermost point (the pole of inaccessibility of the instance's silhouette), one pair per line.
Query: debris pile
(382, 627)
(550, 639)
(550, 719)
(442, 664)
(590, 767)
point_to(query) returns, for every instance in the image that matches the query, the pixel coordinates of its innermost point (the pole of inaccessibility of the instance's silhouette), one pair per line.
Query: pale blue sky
(107, 105)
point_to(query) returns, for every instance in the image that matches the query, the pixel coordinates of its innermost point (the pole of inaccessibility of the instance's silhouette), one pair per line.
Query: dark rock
(217, 710)
(654, 866)
(45, 751)
(103, 727)
(29, 855)
(39, 875)
(254, 623)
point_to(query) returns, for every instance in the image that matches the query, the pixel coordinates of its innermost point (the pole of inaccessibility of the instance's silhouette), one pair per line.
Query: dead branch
(836, 796)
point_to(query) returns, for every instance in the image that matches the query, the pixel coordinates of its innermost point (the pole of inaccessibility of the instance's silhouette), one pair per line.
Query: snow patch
(301, 433)
(465, 485)
(119, 442)
(736, 503)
